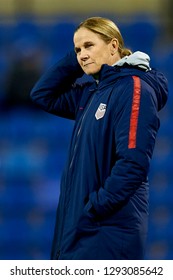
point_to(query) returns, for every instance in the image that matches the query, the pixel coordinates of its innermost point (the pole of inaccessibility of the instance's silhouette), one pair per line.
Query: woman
(103, 205)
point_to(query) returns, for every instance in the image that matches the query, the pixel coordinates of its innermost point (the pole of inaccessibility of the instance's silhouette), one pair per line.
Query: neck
(96, 76)
(115, 59)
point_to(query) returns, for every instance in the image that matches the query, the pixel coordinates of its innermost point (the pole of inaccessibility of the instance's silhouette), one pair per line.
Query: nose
(83, 55)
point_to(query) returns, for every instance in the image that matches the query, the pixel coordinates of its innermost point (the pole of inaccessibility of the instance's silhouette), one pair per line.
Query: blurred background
(33, 144)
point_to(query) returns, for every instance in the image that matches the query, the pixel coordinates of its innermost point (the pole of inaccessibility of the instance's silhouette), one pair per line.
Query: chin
(91, 70)
(90, 73)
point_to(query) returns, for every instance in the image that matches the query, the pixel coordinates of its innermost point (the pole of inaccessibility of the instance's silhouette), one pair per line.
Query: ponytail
(124, 52)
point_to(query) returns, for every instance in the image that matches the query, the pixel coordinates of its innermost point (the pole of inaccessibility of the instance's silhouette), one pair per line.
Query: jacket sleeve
(55, 92)
(136, 124)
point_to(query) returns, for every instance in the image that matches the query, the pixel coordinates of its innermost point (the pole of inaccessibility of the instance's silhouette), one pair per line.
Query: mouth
(88, 64)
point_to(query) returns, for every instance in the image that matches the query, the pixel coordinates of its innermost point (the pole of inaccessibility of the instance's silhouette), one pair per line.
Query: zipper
(79, 131)
(71, 163)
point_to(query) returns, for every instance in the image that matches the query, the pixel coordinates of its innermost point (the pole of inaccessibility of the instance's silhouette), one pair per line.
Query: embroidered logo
(100, 111)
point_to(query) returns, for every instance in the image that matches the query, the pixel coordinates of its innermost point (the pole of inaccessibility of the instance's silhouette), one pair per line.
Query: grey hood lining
(139, 59)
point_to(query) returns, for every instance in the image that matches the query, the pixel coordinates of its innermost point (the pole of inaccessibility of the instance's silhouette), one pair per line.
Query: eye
(77, 50)
(88, 45)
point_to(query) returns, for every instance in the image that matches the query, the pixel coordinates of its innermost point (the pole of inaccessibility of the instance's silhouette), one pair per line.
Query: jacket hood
(139, 59)
(158, 81)
(138, 64)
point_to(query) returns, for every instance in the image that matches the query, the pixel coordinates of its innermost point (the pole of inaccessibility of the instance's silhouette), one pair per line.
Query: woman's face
(92, 52)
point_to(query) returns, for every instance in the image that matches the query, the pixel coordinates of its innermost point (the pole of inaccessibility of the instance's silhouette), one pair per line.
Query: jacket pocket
(88, 220)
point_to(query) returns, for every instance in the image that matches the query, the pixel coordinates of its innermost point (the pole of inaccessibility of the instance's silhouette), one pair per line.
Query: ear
(114, 46)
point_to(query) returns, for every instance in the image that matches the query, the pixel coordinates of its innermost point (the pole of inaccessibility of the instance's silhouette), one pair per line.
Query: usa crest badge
(100, 111)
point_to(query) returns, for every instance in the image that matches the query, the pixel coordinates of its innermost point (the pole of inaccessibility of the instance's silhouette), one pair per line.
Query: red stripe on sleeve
(135, 112)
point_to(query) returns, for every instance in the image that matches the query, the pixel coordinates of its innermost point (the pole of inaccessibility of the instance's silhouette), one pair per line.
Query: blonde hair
(107, 30)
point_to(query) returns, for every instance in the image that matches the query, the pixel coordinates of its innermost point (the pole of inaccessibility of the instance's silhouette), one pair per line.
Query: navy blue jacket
(103, 205)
